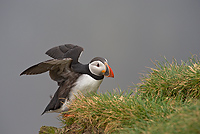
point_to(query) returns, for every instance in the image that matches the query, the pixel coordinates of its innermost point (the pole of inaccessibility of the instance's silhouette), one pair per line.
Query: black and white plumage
(70, 74)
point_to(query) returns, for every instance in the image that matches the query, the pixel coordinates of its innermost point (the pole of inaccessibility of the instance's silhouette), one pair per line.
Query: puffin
(71, 76)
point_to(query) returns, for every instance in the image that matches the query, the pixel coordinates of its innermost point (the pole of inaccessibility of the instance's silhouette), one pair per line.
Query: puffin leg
(68, 115)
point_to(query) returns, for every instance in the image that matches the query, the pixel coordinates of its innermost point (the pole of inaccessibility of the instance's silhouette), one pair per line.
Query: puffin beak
(108, 72)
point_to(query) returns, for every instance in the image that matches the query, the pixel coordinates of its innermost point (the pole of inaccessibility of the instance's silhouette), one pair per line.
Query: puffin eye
(97, 64)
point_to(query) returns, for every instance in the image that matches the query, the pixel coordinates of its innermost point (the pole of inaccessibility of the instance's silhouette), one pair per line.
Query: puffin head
(99, 66)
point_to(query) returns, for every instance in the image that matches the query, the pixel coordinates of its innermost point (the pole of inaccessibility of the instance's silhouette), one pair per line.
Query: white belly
(84, 84)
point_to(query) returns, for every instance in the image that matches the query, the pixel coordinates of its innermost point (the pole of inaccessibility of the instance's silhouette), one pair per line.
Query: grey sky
(126, 32)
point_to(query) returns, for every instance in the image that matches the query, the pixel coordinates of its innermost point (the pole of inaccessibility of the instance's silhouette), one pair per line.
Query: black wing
(55, 67)
(65, 51)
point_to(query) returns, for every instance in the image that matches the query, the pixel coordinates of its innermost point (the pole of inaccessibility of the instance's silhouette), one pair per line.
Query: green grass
(173, 80)
(128, 114)
(166, 101)
(185, 121)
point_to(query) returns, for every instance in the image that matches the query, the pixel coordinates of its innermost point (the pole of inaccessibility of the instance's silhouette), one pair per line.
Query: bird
(71, 76)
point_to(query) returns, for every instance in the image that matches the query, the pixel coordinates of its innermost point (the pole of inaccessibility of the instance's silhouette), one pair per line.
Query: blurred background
(128, 33)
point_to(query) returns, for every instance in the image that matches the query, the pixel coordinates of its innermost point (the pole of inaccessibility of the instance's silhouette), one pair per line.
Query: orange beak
(108, 72)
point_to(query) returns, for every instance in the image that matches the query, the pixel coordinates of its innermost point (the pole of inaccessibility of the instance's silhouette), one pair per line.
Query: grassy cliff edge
(166, 101)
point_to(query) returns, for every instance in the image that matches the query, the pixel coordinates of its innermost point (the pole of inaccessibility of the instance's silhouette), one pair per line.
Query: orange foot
(68, 115)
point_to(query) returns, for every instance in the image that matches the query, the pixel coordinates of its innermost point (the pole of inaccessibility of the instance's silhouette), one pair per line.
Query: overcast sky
(127, 32)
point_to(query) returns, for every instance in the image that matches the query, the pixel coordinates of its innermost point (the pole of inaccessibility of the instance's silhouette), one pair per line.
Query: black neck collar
(84, 69)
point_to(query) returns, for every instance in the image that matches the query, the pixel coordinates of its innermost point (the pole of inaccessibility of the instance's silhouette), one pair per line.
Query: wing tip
(22, 73)
(43, 112)
(26, 73)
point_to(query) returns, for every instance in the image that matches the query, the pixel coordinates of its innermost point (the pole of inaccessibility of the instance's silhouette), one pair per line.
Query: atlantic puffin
(71, 76)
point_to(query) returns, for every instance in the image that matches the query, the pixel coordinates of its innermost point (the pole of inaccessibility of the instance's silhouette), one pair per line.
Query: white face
(97, 68)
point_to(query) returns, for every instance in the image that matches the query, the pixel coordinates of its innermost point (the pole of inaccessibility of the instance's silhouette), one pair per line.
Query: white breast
(84, 84)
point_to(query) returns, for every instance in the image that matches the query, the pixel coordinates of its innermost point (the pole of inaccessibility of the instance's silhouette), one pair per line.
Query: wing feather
(49, 65)
(65, 51)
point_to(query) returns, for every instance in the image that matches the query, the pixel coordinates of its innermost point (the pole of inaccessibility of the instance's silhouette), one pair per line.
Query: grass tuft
(173, 80)
(166, 101)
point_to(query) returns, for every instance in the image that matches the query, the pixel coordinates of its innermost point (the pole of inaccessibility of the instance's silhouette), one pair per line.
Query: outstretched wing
(65, 51)
(55, 67)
